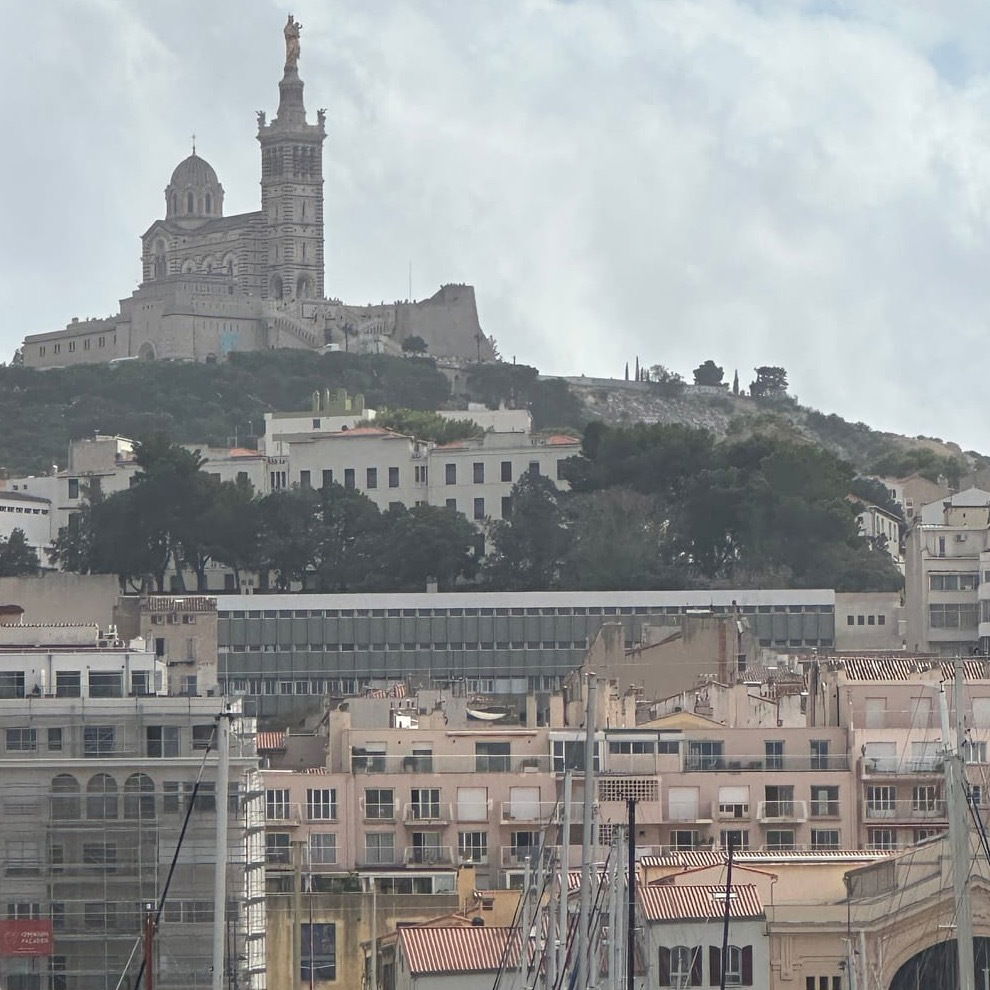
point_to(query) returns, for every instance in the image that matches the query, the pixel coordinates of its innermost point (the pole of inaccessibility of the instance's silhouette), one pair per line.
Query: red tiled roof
(459, 950)
(905, 668)
(271, 741)
(243, 452)
(561, 440)
(700, 858)
(682, 902)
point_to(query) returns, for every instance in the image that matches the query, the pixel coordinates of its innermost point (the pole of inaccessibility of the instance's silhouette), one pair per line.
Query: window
(379, 848)
(425, 803)
(780, 838)
(99, 857)
(819, 754)
(393, 477)
(478, 472)
(506, 471)
(318, 952)
(99, 740)
(534, 468)
(773, 750)
(105, 684)
(68, 684)
(684, 839)
(202, 736)
(101, 796)
(23, 911)
(738, 837)
(322, 848)
(953, 582)
(321, 804)
(926, 801)
(450, 474)
(21, 740)
(506, 506)
(73, 488)
(824, 801)
(12, 684)
(99, 914)
(139, 797)
(54, 740)
(681, 966)
(277, 803)
(327, 476)
(824, 838)
(65, 798)
(162, 741)
(953, 616)
(479, 508)
(568, 754)
(277, 848)
(473, 847)
(704, 754)
(450, 503)
(305, 479)
(491, 757)
(170, 797)
(738, 966)
(371, 477)
(977, 752)
(349, 477)
(778, 801)
(880, 801)
(379, 804)
(880, 838)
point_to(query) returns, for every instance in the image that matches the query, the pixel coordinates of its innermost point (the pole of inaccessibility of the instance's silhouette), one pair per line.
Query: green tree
(426, 425)
(17, 557)
(708, 373)
(426, 542)
(414, 345)
(291, 531)
(527, 548)
(770, 383)
(231, 528)
(350, 530)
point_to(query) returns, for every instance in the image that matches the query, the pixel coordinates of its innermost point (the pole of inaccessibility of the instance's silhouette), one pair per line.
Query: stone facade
(214, 284)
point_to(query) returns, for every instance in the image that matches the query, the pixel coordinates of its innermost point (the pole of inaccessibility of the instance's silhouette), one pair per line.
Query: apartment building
(99, 765)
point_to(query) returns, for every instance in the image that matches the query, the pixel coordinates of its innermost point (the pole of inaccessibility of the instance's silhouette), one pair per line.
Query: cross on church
(194, 143)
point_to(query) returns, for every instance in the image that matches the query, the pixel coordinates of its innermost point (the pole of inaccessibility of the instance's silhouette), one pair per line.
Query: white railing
(428, 856)
(782, 811)
(437, 812)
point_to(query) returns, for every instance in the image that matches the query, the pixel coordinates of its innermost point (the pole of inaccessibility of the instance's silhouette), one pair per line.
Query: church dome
(194, 191)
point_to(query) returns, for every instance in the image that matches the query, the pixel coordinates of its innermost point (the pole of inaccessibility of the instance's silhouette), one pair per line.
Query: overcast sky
(773, 182)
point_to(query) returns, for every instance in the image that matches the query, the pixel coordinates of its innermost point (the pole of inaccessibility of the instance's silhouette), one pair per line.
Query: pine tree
(627, 371)
(735, 383)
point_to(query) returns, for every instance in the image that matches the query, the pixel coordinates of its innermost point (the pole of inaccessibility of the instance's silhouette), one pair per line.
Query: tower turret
(292, 186)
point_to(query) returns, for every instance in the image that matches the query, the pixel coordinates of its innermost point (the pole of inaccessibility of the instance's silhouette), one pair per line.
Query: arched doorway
(934, 968)
(146, 352)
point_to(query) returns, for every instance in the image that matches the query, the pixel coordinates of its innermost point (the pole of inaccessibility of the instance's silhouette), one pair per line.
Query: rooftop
(458, 950)
(699, 902)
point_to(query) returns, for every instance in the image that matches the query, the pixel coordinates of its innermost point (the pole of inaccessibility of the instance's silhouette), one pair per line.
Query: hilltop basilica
(213, 284)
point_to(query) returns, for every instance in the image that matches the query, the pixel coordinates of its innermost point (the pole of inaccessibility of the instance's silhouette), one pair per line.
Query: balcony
(537, 812)
(514, 857)
(617, 812)
(732, 813)
(883, 766)
(473, 811)
(700, 814)
(428, 856)
(906, 811)
(379, 857)
(773, 812)
(738, 763)
(467, 763)
(432, 812)
(631, 763)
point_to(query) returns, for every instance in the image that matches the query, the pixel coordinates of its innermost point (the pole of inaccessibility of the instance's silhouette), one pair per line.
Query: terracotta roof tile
(458, 950)
(683, 902)
(271, 741)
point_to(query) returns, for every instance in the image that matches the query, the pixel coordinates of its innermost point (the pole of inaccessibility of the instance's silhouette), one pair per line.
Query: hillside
(41, 411)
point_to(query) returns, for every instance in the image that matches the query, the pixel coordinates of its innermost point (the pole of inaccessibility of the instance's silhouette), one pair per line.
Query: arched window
(101, 796)
(189, 202)
(175, 204)
(209, 203)
(303, 287)
(139, 797)
(65, 797)
(681, 966)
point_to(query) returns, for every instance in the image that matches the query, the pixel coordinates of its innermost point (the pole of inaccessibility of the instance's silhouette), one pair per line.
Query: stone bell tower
(292, 187)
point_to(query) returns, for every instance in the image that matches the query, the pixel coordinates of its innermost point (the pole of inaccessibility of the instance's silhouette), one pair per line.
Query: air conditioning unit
(960, 537)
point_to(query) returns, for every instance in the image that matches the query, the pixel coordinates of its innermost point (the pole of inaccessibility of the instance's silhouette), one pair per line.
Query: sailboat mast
(565, 842)
(955, 785)
(584, 921)
(726, 915)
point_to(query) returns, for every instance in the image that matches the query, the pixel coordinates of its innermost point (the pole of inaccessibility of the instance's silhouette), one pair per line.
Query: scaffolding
(93, 799)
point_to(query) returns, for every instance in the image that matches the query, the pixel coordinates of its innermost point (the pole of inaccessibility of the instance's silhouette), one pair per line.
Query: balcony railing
(771, 812)
(694, 762)
(514, 857)
(913, 811)
(428, 856)
(435, 812)
(701, 813)
(892, 765)
(732, 812)
(379, 857)
(372, 763)
(537, 812)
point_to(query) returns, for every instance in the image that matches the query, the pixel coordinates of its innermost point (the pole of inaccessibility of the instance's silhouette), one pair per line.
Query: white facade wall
(493, 420)
(30, 513)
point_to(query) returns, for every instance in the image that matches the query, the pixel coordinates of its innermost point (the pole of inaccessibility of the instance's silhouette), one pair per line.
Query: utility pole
(955, 784)
(373, 974)
(584, 921)
(149, 946)
(631, 904)
(220, 867)
(726, 915)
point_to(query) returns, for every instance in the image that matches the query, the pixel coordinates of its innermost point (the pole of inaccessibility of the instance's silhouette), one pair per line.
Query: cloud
(803, 184)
